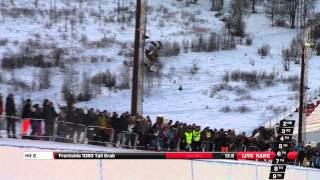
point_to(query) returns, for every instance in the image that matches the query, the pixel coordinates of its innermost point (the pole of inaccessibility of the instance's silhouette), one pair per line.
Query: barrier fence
(69, 132)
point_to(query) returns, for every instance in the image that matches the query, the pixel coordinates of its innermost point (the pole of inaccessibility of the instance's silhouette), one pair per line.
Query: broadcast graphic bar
(157, 155)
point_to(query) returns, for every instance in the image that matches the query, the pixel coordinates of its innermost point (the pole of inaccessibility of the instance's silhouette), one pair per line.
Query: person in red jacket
(1, 112)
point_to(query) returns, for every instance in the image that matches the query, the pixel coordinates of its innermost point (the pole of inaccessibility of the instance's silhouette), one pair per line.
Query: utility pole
(301, 99)
(304, 85)
(137, 79)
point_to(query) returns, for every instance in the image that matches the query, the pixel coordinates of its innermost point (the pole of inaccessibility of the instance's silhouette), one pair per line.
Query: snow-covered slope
(168, 20)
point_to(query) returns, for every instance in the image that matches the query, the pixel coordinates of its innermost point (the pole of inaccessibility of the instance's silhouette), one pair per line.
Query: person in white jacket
(151, 51)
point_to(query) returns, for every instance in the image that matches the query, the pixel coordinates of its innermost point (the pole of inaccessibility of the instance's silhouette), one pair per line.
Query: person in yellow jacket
(188, 139)
(196, 134)
(103, 123)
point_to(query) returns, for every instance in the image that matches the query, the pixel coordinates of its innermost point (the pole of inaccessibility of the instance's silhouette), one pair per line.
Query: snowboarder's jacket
(188, 137)
(152, 47)
(196, 135)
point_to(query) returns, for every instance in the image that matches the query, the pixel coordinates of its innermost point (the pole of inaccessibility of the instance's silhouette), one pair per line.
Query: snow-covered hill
(94, 41)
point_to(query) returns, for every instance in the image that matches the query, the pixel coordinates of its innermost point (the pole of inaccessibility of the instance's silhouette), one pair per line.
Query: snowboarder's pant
(152, 59)
(11, 126)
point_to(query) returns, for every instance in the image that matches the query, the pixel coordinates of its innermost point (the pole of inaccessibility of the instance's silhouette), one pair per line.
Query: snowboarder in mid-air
(151, 50)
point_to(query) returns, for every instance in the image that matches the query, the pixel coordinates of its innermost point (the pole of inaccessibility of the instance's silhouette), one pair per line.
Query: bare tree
(235, 23)
(100, 12)
(216, 5)
(286, 59)
(270, 6)
(44, 78)
(86, 88)
(36, 3)
(2, 12)
(293, 5)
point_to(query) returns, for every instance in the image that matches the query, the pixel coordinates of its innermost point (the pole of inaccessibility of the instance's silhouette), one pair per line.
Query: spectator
(205, 138)
(196, 135)
(36, 129)
(157, 130)
(10, 113)
(26, 115)
(92, 120)
(170, 138)
(49, 115)
(103, 123)
(26, 111)
(224, 141)
(118, 123)
(61, 126)
(123, 123)
(130, 134)
(188, 139)
(78, 128)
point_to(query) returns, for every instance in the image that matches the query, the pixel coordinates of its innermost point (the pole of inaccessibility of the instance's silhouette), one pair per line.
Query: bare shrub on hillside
(243, 109)
(253, 79)
(3, 42)
(86, 92)
(186, 46)
(170, 49)
(124, 82)
(241, 91)
(19, 60)
(317, 46)
(247, 97)
(294, 86)
(106, 79)
(225, 109)
(292, 81)
(286, 59)
(264, 50)
(249, 40)
(44, 78)
(67, 94)
(217, 88)
(102, 43)
(226, 77)
(296, 49)
(213, 42)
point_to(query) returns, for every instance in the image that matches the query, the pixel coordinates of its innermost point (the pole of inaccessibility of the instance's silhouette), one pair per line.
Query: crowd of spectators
(80, 125)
